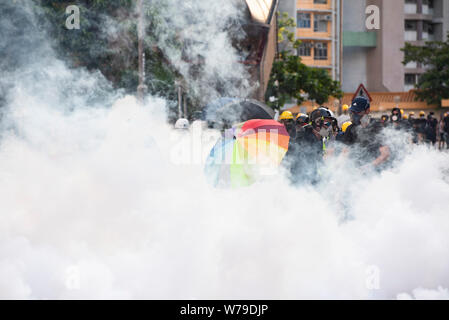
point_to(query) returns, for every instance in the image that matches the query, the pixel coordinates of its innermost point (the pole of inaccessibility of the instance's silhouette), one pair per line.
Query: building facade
(335, 37)
(318, 28)
(374, 57)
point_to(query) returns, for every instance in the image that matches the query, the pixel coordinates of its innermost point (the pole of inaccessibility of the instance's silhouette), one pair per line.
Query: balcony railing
(411, 8)
(411, 36)
(411, 65)
(428, 37)
(427, 10)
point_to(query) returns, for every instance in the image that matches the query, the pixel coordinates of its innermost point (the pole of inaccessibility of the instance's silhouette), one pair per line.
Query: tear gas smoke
(92, 207)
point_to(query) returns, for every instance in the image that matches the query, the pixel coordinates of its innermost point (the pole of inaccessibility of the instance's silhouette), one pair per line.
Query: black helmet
(396, 114)
(359, 104)
(320, 113)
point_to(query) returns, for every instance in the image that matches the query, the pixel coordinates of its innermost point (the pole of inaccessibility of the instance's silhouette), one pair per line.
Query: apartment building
(318, 27)
(373, 57)
(424, 20)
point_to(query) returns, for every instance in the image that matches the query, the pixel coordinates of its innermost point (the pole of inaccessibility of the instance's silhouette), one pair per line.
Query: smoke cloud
(91, 205)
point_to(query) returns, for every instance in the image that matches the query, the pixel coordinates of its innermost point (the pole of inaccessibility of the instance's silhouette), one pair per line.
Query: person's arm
(384, 155)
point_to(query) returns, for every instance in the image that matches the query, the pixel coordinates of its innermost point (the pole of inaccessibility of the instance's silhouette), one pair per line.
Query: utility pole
(185, 106)
(178, 84)
(142, 88)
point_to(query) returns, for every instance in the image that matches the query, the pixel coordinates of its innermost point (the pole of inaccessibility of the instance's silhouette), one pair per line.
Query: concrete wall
(354, 15)
(354, 58)
(267, 60)
(445, 19)
(385, 69)
(354, 68)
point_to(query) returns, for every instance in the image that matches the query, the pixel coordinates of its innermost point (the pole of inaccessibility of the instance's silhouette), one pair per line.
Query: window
(305, 49)
(320, 22)
(320, 51)
(428, 2)
(320, 1)
(303, 20)
(428, 27)
(410, 25)
(410, 79)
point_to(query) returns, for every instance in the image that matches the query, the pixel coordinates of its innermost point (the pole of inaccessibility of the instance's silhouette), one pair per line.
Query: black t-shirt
(365, 142)
(304, 156)
(420, 125)
(446, 124)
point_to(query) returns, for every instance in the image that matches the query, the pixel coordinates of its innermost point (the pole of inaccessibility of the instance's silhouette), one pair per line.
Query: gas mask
(366, 119)
(360, 119)
(395, 118)
(325, 132)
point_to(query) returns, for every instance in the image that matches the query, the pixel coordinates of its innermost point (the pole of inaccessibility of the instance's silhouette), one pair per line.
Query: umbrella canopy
(250, 149)
(225, 112)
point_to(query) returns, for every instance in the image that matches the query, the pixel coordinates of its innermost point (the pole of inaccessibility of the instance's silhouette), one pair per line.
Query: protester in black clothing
(305, 154)
(446, 129)
(302, 120)
(419, 126)
(431, 129)
(384, 120)
(363, 136)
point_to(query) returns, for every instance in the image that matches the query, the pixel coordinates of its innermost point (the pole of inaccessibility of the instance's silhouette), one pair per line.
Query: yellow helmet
(422, 113)
(411, 114)
(405, 117)
(286, 115)
(402, 111)
(345, 126)
(345, 107)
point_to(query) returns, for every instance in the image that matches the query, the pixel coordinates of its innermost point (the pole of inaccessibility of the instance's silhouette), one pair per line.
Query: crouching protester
(306, 152)
(363, 138)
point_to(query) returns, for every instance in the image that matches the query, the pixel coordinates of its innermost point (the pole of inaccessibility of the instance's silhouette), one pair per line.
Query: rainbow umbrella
(247, 151)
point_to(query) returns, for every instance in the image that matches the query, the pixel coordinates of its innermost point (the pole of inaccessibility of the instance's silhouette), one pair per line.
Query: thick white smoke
(205, 31)
(92, 206)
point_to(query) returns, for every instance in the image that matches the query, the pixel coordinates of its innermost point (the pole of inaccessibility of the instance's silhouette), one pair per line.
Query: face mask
(366, 119)
(355, 118)
(325, 133)
(394, 118)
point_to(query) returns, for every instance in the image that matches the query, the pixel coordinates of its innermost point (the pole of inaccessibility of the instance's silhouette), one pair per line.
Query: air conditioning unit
(327, 17)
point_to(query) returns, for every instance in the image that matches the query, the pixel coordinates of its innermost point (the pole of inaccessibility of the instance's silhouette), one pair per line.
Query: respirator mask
(326, 129)
(360, 119)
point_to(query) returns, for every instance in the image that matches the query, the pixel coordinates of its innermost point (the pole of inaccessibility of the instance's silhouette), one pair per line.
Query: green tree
(114, 53)
(290, 79)
(433, 85)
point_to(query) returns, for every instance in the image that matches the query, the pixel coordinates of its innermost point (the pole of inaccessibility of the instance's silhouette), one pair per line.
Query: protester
(431, 129)
(363, 135)
(287, 120)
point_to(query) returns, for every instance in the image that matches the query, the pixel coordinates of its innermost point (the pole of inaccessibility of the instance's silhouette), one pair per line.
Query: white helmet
(182, 124)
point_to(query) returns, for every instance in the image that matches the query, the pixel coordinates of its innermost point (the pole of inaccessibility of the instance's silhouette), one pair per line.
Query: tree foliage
(107, 41)
(291, 79)
(433, 85)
